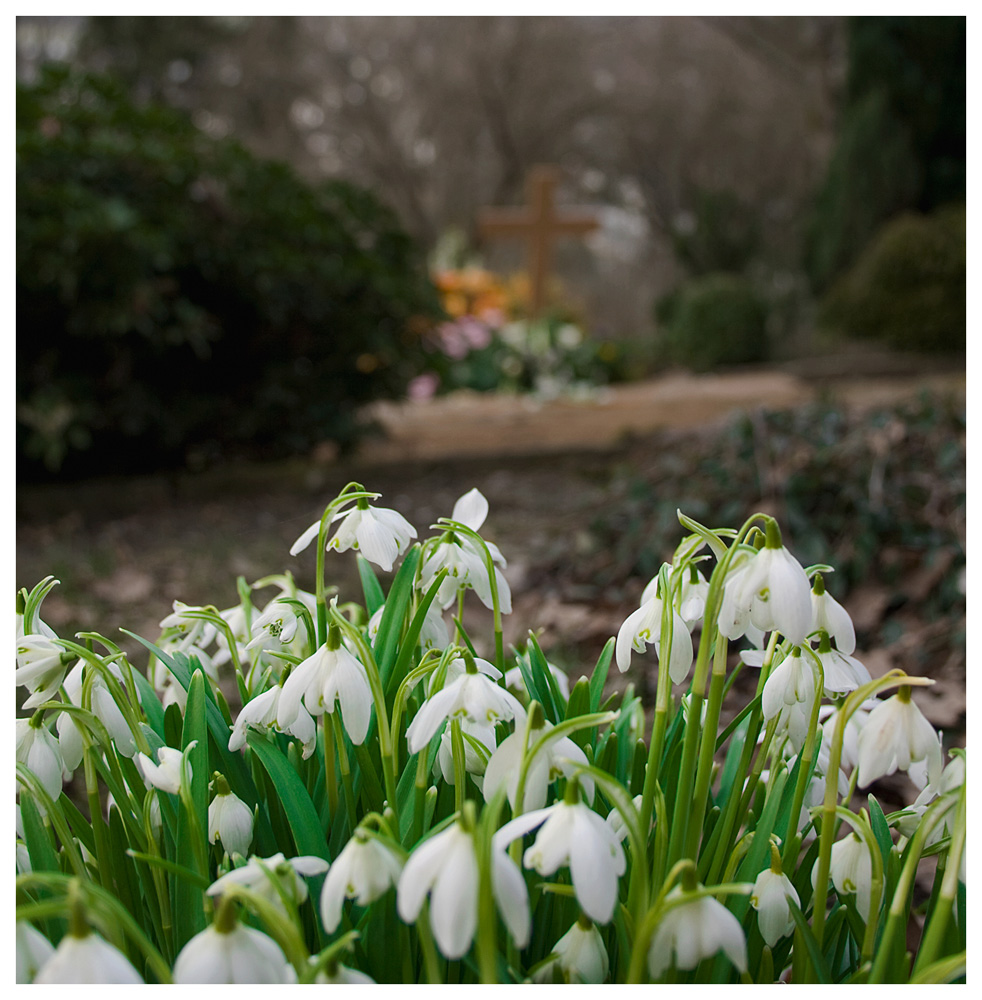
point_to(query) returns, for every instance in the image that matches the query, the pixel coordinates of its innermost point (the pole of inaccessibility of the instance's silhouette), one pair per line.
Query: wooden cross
(540, 225)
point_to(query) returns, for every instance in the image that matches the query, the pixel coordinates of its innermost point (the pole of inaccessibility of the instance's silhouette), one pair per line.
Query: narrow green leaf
(818, 964)
(40, 847)
(188, 875)
(555, 709)
(407, 649)
(192, 829)
(599, 676)
(374, 596)
(394, 615)
(880, 830)
(308, 835)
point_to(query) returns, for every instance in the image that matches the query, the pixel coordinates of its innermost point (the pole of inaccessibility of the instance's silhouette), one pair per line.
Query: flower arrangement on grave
(489, 342)
(400, 799)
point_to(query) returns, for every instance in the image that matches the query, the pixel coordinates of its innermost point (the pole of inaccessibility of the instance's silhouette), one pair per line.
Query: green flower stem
(95, 815)
(684, 792)
(707, 749)
(663, 699)
(792, 839)
(459, 772)
(892, 679)
(419, 796)
(896, 917)
(345, 768)
(487, 919)
(938, 923)
(330, 773)
(431, 961)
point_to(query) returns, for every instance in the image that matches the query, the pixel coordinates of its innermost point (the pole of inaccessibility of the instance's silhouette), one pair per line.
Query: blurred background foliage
(222, 221)
(180, 299)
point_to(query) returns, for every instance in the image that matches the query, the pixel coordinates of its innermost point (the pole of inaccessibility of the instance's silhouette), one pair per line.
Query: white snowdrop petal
(453, 901)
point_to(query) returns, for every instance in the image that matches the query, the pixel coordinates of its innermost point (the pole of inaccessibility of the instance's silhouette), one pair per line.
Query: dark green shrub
(908, 287)
(714, 320)
(180, 300)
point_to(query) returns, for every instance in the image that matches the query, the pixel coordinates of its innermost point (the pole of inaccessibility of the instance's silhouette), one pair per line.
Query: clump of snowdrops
(402, 799)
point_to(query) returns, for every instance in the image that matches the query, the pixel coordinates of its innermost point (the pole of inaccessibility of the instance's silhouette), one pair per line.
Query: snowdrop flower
(236, 619)
(457, 667)
(559, 758)
(772, 586)
(256, 873)
(474, 761)
(791, 682)
(571, 833)
(168, 773)
(771, 892)
(472, 696)
(851, 871)
(41, 667)
(464, 560)
(692, 598)
(33, 950)
(642, 627)
(38, 751)
(616, 821)
(329, 676)
(364, 871)
(830, 616)
(341, 975)
(579, 956)
(828, 714)
(105, 709)
(380, 534)
(87, 959)
(241, 955)
(694, 929)
(230, 820)
(433, 634)
(842, 672)
(260, 714)
(276, 625)
(445, 867)
(951, 779)
(895, 735)
(188, 630)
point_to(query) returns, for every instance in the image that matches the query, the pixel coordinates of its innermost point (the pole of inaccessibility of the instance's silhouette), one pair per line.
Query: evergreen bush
(908, 287)
(714, 320)
(180, 300)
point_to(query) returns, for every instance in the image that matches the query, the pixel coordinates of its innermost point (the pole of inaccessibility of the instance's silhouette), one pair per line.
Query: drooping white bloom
(772, 586)
(642, 627)
(187, 628)
(341, 975)
(692, 599)
(770, 896)
(473, 696)
(261, 714)
(33, 950)
(230, 820)
(895, 735)
(791, 682)
(277, 625)
(464, 561)
(559, 758)
(445, 867)
(105, 709)
(41, 667)
(951, 779)
(573, 834)
(457, 667)
(380, 534)
(167, 774)
(841, 671)
(364, 871)
(828, 614)
(851, 871)
(326, 677)
(475, 761)
(579, 956)
(828, 715)
(432, 635)
(38, 751)
(615, 819)
(693, 930)
(89, 960)
(241, 956)
(254, 875)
